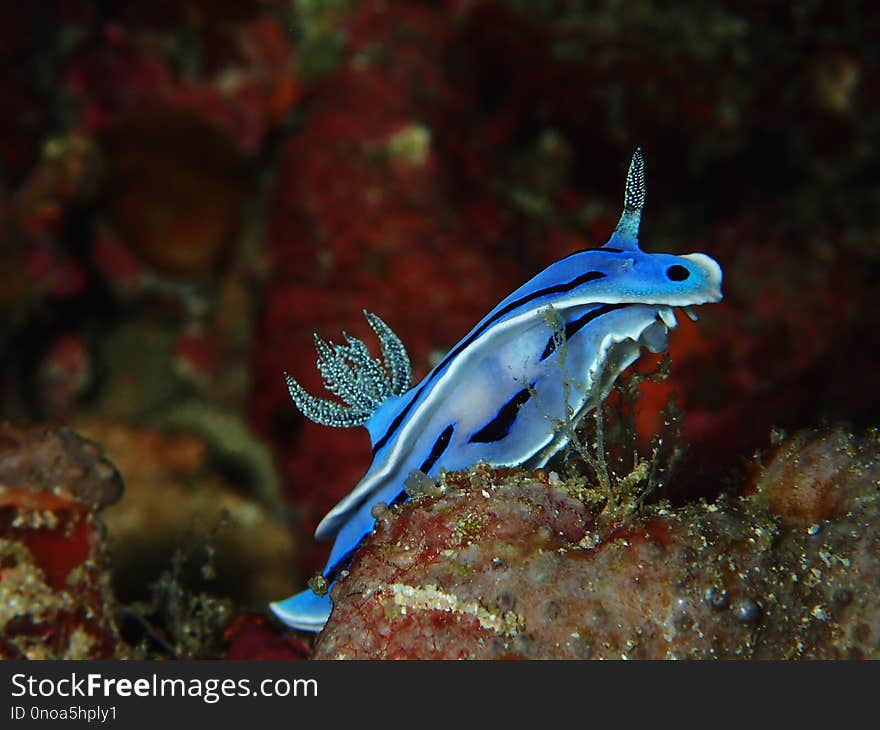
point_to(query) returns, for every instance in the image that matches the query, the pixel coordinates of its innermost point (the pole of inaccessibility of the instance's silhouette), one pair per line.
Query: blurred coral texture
(189, 189)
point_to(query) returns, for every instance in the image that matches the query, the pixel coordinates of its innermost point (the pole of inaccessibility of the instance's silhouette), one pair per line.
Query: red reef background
(189, 189)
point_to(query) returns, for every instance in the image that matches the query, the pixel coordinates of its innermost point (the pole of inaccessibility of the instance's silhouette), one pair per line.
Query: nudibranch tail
(350, 372)
(306, 610)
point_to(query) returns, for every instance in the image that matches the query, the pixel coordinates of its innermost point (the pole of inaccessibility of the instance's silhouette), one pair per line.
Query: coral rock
(509, 565)
(42, 465)
(817, 477)
(55, 600)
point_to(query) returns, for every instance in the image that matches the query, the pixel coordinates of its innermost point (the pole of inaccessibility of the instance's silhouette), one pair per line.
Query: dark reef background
(189, 189)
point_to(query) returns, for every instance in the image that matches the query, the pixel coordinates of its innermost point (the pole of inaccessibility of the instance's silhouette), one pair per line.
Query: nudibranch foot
(305, 610)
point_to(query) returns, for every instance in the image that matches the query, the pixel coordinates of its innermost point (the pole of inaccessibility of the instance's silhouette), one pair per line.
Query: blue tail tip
(306, 611)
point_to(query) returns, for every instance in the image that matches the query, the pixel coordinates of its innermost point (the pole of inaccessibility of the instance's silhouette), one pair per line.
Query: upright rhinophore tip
(634, 194)
(350, 372)
(626, 235)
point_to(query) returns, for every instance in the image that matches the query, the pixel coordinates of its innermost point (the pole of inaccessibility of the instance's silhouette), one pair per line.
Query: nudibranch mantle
(544, 356)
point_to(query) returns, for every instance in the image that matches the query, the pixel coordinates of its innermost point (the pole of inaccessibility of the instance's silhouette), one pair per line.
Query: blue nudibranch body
(546, 355)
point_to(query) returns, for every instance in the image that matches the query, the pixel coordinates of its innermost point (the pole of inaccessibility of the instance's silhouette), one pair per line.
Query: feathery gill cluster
(350, 372)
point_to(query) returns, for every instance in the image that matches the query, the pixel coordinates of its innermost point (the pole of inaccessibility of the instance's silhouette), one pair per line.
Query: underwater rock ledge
(55, 595)
(509, 564)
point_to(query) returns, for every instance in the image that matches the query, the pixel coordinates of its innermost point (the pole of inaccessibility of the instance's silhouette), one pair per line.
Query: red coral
(251, 637)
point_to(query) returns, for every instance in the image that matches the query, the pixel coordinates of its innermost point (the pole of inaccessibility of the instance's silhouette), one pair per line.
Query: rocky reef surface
(56, 601)
(509, 564)
(87, 573)
(484, 564)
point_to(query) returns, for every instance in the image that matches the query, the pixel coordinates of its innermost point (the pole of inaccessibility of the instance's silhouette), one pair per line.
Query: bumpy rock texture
(55, 598)
(76, 585)
(509, 565)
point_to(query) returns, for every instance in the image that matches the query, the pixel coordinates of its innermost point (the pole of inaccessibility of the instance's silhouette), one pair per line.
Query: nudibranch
(546, 355)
